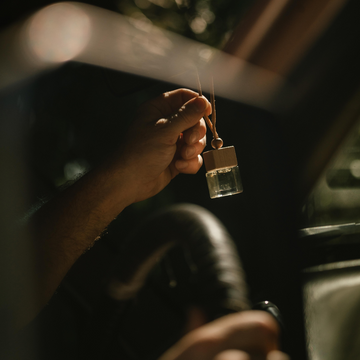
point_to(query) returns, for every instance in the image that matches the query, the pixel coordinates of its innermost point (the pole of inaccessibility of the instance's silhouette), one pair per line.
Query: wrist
(112, 188)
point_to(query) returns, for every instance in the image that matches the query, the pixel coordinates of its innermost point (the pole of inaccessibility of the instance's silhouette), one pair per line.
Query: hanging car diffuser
(222, 171)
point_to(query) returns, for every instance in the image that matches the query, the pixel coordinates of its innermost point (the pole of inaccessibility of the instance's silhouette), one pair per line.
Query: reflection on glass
(224, 182)
(58, 33)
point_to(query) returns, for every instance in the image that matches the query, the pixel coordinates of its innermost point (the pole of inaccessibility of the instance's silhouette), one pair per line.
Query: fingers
(255, 332)
(184, 118)
(173, 113)
(169, 103)
(188, 152)
(195, 133)
(187, 116)
(252, 332)
(192, 145)
(191, 166)
(241, 355)
(166, 138)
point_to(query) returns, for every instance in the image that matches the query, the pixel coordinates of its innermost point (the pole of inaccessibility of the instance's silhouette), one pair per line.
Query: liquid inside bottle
(224, 182)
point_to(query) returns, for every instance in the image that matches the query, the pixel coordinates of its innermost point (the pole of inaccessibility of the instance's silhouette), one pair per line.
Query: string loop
(216, 142)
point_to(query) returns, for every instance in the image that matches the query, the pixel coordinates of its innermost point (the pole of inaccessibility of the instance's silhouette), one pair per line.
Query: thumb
(189, 114)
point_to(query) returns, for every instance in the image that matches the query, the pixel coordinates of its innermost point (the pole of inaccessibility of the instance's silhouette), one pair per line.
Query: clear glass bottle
(224, 182)
(223, 175)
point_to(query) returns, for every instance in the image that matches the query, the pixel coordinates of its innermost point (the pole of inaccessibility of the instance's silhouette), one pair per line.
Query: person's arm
(248, 335)
(152, 154)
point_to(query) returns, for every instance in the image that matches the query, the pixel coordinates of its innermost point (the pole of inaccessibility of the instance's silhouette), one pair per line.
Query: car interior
(286, 82)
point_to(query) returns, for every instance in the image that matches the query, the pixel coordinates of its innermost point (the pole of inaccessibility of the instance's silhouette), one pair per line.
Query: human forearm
(143, 165)
(68, 225)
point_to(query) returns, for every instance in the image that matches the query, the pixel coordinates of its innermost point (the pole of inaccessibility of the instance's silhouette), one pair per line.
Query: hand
(249, 335)
(166, 139)
(153, 153)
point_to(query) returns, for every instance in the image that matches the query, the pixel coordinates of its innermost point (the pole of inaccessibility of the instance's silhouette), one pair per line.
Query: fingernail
(181, 164)
(190, 151)
(200, 104)
(194, 137)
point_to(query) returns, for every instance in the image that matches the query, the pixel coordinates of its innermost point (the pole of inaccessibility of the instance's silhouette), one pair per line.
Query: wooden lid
(219, 159)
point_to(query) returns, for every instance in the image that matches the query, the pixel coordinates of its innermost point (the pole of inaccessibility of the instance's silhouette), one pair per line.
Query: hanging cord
(216, 142)
(213, 116)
